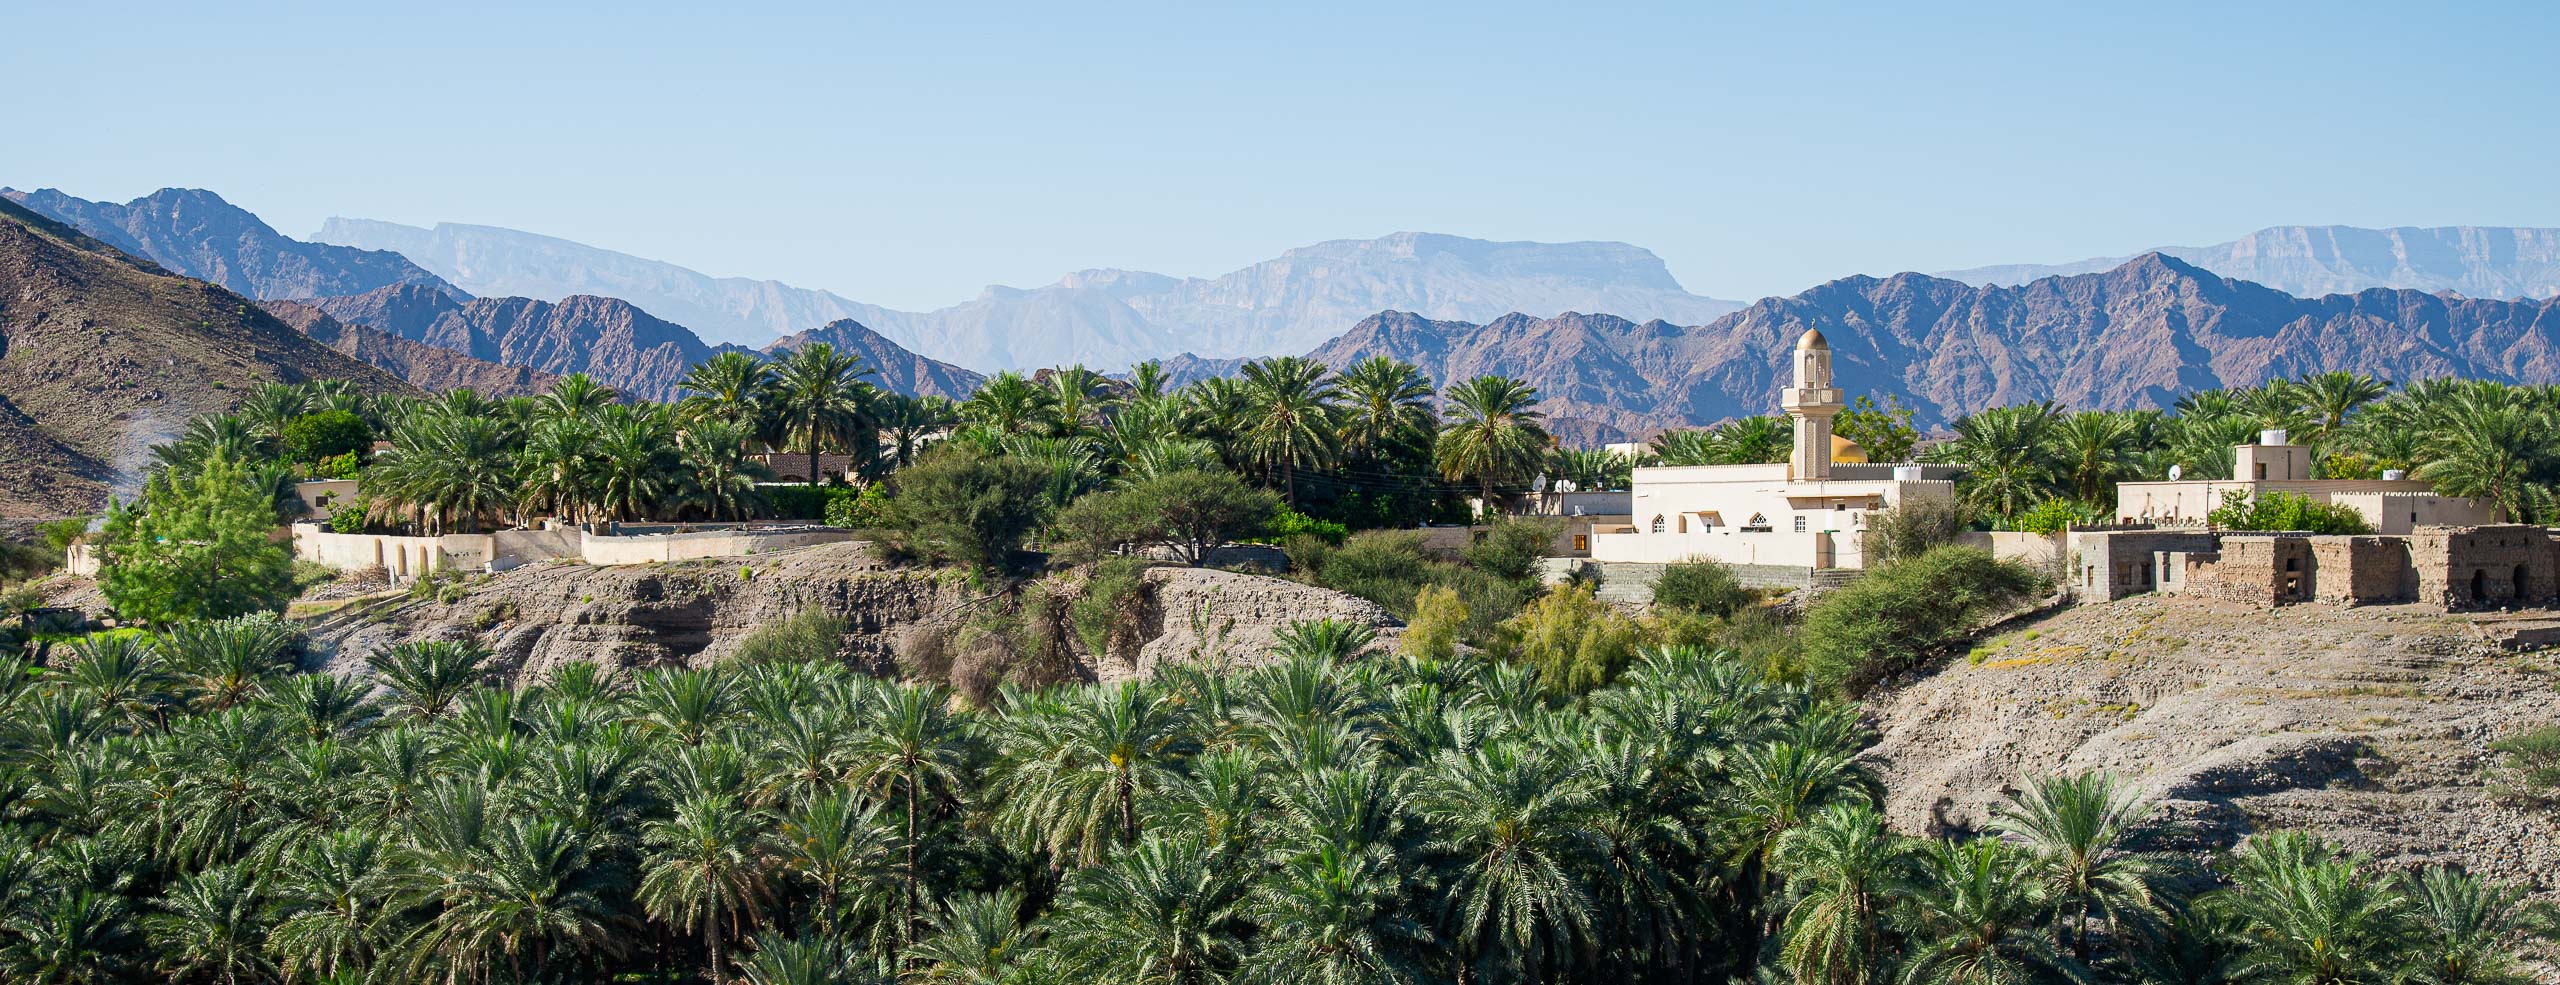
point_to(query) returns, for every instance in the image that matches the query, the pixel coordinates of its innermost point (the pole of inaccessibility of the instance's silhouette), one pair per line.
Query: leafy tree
(1513, 546)
(1438, 616)
(325, 435)
(968, 506)
(196, 546)
(2279, 510)
(1187, 512)
(1885, 431)
(1574, 640)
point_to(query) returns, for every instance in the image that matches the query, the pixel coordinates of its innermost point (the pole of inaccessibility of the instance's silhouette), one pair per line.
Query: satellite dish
(1538, 485)
(2175, 472)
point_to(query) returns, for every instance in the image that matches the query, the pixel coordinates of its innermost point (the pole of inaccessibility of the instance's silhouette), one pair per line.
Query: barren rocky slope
(541, 616)
(103, 355)
(2367, 725)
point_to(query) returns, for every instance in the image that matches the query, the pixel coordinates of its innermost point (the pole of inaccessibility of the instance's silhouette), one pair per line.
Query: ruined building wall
(2362, 570)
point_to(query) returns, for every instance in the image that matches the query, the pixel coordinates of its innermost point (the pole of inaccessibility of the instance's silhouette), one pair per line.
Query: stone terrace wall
(2258, 570)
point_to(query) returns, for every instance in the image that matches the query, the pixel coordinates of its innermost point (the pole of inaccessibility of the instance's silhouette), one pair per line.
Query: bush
(807, 502)
(1289, 524)
(1576, 641)
(2274, 510)
(1187, 511)
(1107, 616)
(328, 434)
(961, 504)
(811, 636)
(348, 518)
(865, 510)
(1899, 615)
(342, 466)
(1704, 588)
(1912, 529)
(2055, 515)
(1438, 617)
(1513, 547)
(2534, 759)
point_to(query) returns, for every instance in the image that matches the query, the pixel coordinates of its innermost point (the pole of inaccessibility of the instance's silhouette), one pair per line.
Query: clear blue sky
(908, 154)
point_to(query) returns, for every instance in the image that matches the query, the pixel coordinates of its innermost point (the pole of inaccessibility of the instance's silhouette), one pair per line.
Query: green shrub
(1107, 616)
(2274, 510)
(2057, 514)
(806, 502)
(813, 635)
(1576, 641)
(865, 510)
(2533, 758)
(1288, 524)
(1438, 617)
(961, 504)
(341, 466)
(196, 547)
(1901, 614)
(1913, 529)
(1514, 546)
(1705, 588)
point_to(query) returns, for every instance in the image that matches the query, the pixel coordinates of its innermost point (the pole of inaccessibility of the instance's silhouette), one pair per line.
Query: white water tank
(2394, 475)
(1906, 473)
(2272, 436)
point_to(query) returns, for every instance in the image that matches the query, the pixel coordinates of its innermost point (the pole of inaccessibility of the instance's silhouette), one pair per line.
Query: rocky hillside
(2367, 725)
(612, 340)
(103, 355)
(423, 366)
(2310, 261)
(541, 616)
(194, 233)
(897, 368)
(1103, 318)
(2135, 336)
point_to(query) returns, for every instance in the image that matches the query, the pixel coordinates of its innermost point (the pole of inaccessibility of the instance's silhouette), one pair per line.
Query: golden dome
(1812, 339)
(1845, 450)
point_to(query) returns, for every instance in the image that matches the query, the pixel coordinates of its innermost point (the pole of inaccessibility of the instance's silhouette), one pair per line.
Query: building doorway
(2524, 580)
(2480, 587)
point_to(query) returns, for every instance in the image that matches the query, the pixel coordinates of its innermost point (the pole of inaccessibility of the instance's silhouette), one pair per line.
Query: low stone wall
(400, 558)
(661, 548)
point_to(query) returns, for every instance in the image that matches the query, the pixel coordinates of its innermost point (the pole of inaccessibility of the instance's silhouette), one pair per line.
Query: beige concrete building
(1809, 513)
(2392, 504)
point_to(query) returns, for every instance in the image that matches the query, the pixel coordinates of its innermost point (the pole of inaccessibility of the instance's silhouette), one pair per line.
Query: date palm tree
(1387, 403)
(2097, 449)
(709, 868)
(1081, 766)
(1975, 916)
(213, 923)
(2469, 927)
(975, 940)
(1510, 823)
(1292, 418)
(2079, 828)
(907, 421)
(1077, 400)
(2330, 398)
(1165, 912)
(1007, 404)
(1494, 435)
(719, 478)
(735, 387)
(912, 751)
(576, 395)
(1843, 871)
(561, 469)
(2315, 916)
(1335, 916)
(820, 394)
(2007, 456)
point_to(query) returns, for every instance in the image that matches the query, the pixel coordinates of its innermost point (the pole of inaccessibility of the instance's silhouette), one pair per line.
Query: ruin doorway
(2524, 580)
(2480, 587)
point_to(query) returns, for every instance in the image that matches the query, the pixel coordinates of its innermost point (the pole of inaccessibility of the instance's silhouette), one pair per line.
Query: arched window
(1684, 523)
(1657, 523)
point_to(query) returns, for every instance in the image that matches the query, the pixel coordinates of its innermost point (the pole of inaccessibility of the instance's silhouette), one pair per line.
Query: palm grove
(1528, 786)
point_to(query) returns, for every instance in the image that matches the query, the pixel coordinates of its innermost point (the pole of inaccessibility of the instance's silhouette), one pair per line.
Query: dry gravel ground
(2368, 725)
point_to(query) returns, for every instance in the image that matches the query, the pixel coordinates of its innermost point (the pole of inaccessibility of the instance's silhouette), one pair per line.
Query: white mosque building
(1808, 513)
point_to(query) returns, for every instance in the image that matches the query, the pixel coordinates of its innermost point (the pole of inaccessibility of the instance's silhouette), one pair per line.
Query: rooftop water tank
(2394, 475)
(2272, 436)
(1906, 473)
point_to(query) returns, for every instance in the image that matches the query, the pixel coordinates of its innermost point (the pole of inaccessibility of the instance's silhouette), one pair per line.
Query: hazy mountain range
(1097, 317)
(2310, 261)
(194, 233)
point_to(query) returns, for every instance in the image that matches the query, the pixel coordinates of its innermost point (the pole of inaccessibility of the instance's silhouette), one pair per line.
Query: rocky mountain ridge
(2138, 335)
(194, 233)
(612, 340)
(423, 366)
